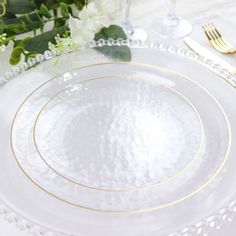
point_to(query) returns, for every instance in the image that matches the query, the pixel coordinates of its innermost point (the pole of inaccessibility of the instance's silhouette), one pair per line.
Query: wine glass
(131, 32)
(171, 26)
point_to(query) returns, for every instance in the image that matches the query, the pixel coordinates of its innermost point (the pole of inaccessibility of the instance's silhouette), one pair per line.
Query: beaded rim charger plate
(121, 144)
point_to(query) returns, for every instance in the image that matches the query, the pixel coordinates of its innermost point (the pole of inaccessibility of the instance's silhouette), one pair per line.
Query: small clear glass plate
(119, 132)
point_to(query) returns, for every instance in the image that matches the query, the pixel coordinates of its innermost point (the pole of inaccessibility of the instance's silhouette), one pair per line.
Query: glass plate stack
(100, 147)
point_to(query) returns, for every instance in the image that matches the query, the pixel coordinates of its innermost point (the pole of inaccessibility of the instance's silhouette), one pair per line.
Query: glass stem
(171, 19)
(126, 13)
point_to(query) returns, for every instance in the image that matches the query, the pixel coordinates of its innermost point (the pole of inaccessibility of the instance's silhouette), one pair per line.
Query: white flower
(102, 12)
(3, 48)
(62, 44)
(92, 18)
(81, 31)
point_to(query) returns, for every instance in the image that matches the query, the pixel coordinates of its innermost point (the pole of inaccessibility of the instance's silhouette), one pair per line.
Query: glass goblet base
(135, 33)
(179, 29)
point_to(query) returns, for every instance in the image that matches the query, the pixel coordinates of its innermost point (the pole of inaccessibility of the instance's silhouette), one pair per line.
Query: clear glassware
(171, 26)
(131, 32)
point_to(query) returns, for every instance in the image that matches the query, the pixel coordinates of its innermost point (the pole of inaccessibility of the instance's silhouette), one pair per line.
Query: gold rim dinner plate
(171, 203)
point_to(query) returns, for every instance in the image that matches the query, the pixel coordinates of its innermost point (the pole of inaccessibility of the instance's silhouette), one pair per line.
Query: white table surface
(221, 12)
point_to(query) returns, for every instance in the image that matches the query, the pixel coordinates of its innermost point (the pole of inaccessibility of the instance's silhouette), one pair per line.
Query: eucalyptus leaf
(2, 26)
(21, 24)
(16, 55)
(38, 2)
(9, 21)
(24, 26)
(12, 19)
(67, 1)
(21, 42)
(44, 11)
(80, 4)
(7, 40)
(64, 9)
(30, 55)
(122, 53)
(40, 42)
(70, 10)
(59, 22)
(9, 15)
(14, 29)
(28, 19)
(20, 6)
(51, 4)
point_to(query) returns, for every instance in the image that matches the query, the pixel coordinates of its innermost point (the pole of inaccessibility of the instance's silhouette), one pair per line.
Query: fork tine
(217, 40)
(216, 30)
(206, 33)
(212, 35)
(217, 37)
(226, 43)
(211, 38)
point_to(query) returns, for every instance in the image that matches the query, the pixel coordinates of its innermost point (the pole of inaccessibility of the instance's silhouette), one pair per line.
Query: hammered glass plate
(115, 147)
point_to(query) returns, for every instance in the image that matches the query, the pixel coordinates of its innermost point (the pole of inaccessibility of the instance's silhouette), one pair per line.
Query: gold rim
(128, 189)
(181, 199)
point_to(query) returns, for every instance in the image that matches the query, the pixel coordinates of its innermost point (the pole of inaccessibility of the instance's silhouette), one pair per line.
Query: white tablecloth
(222, 12)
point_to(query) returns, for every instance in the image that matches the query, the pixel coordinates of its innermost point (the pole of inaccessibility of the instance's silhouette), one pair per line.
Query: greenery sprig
(18, 17)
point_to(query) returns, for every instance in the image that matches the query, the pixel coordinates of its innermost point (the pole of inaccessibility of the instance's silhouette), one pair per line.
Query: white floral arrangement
(92, 18)
(71, 23)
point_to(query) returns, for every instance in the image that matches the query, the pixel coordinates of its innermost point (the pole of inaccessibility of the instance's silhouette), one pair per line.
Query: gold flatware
(217, 40)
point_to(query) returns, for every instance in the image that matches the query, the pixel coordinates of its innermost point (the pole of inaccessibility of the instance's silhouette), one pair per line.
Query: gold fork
(217, 40)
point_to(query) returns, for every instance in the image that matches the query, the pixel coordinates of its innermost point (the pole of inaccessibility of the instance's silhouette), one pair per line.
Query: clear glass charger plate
(114, 147)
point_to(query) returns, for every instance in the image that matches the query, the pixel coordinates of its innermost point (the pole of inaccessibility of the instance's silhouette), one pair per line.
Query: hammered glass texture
(118, 133)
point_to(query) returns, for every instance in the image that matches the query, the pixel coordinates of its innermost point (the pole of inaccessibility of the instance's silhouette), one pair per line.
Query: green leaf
(51, 4)
(45, 12)
(64, 9)
(70, 10)
(59, 22)
(30, 55)
(55, 13)
(20, 6)
(24, 26)
(7, 41)
(80, 4)
(67, 1)
(12, 19)
(15, 29)
(21, 42)
(113, 31)
(122, 53)
(37, 2)
(40, 42)
(28, 19)
(10, 15)
(2, 26)
(16, 55)
(21, 24)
